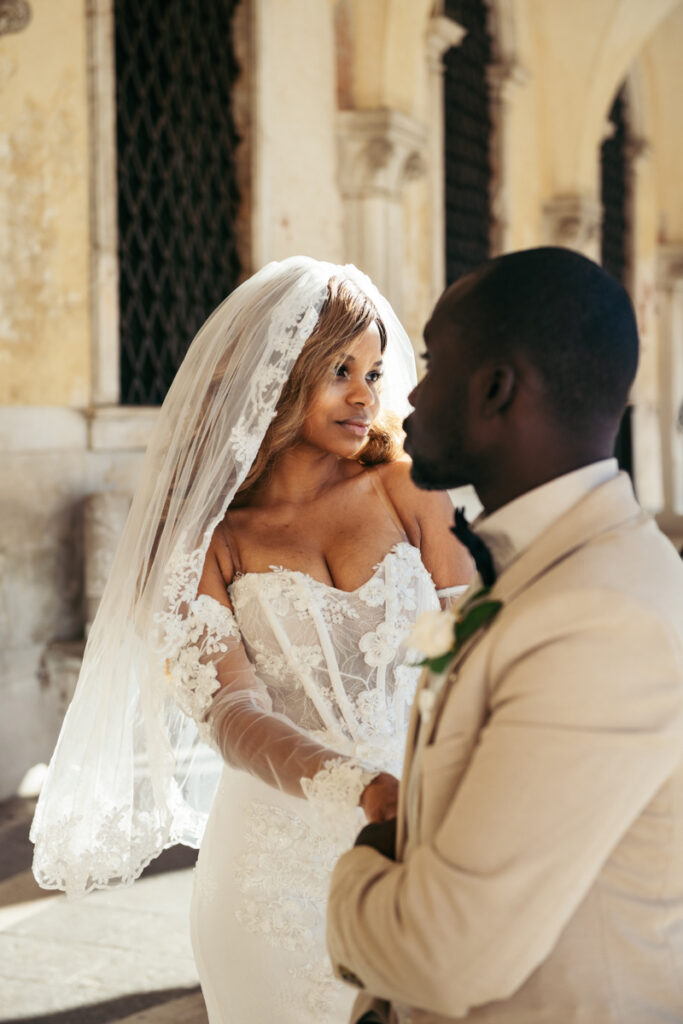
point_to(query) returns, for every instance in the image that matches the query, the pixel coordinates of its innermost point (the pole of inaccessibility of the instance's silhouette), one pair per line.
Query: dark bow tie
(483, 559)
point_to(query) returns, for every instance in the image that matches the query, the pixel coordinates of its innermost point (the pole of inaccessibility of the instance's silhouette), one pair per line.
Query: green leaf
(475, 618)
(437, 665)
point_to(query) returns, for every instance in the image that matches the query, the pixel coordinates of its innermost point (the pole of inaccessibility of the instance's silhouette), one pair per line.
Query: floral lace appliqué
(284, 875)
(190, 670)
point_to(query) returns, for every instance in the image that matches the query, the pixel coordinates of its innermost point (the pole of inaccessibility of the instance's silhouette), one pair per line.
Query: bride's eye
(375, 376)
(341, 371)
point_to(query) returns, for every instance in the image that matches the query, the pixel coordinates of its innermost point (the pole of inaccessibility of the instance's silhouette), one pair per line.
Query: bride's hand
(379, 799)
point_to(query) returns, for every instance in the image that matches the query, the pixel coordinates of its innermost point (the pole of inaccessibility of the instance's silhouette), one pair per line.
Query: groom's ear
(496, 385)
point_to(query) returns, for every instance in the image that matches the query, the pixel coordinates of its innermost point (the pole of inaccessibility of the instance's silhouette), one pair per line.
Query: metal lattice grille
(467, 140)
(614, 190)
(614, 193)
(177, 193)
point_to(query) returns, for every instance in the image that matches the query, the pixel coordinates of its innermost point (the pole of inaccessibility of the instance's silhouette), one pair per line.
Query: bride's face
(343, 408)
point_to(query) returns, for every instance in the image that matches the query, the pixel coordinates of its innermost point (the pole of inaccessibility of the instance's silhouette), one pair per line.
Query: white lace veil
(130, 775)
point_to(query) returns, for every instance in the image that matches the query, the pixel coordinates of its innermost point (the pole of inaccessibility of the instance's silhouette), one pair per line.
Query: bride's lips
(357, 427)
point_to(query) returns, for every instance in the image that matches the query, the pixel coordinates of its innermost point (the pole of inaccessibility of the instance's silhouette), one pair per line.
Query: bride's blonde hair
(345, 314)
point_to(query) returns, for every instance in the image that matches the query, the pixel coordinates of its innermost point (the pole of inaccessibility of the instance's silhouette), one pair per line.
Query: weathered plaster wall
(46, 470)
(44, 317)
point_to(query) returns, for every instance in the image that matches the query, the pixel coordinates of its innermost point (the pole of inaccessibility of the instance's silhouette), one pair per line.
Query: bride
(274, 560)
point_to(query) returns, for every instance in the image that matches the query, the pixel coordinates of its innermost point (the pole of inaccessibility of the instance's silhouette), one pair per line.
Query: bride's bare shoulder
(219, 567)
(409, 500)
(427, 517)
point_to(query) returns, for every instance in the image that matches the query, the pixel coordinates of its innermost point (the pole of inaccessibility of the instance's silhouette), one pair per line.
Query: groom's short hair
(568, 317)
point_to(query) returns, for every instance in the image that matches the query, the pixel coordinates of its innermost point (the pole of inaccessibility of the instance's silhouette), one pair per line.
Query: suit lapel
(413, 728)
(610, 506)
(411, 737)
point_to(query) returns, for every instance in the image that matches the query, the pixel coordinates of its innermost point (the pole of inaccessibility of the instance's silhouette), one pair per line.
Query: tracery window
(615, 241)
(177, 191)
(467, 140)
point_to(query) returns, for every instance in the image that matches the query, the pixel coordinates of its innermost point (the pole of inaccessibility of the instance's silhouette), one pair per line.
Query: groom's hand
(379, 799)
(381, 836)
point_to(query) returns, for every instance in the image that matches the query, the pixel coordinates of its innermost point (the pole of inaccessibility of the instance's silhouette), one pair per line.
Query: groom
(537, 871)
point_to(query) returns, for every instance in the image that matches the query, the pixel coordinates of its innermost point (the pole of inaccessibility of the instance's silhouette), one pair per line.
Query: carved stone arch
(573, 120)
(382, 46)
(629, 30)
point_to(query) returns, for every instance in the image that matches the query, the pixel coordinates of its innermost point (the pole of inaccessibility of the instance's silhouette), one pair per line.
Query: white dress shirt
(510, 530)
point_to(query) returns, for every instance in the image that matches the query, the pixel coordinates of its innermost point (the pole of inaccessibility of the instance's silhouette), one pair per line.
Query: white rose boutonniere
(433, 633)
(439, 635)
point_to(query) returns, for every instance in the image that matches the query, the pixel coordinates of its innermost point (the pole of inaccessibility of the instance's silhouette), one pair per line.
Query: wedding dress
(334, 663)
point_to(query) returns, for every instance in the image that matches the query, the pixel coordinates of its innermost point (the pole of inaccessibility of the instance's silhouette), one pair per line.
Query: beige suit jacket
(540, 877)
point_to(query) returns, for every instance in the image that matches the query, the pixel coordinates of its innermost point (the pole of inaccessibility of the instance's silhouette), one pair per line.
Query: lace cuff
(334, 793)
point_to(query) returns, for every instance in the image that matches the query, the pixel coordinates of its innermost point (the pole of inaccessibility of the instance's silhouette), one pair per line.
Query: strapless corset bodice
(334, 661)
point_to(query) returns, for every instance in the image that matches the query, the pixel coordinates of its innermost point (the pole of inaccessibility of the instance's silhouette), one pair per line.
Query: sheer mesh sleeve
(214, 682)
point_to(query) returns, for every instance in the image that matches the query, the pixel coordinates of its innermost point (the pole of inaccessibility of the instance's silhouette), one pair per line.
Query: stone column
(504, 77)
(379, 152)
(670, 303)
(442, 35)
(104, 257)
(574, 222)
(646, 421)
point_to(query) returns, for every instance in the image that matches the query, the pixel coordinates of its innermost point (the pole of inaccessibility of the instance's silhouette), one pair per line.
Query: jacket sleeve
(584, 725)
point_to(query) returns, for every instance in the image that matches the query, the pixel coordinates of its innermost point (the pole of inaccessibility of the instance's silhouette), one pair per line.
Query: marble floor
(122, 955)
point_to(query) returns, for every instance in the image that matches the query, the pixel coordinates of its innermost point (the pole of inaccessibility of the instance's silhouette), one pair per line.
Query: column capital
(14, 16)
(638, 150)
(379, 150)
(573, 222)
(442, 35)
(670, 266)
(504, 77)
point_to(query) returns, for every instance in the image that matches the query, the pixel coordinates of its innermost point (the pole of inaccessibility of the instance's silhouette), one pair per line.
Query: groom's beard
(431, 476)
(427, 477)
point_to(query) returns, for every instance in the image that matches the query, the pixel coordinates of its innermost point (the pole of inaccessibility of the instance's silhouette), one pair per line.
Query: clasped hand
(379, 799)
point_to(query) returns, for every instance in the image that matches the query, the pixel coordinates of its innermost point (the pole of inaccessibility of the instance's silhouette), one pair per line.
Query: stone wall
(52, 459)
(44, 218)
